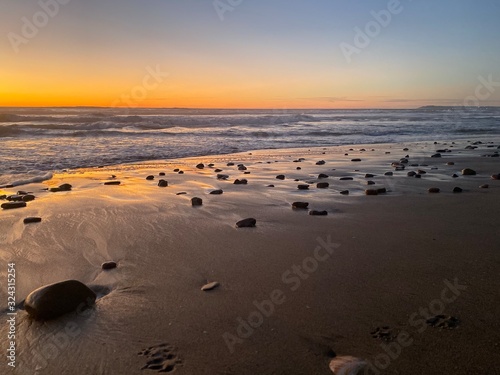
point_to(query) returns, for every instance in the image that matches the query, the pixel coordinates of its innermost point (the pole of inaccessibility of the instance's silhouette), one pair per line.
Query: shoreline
(295, 291)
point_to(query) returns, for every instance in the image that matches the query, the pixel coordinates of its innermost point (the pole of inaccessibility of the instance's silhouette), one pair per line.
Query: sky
(249, 53)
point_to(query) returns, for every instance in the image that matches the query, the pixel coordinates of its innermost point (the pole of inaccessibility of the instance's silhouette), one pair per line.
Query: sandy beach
(405, 281)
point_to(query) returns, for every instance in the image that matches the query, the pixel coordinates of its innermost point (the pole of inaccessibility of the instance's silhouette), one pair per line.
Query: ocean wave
(31, 180)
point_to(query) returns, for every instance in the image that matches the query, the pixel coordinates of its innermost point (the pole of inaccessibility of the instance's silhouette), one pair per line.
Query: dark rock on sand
(371, 192)
(270, 185)
(322, 175)
(454, 175)
(196, 201)
(418, 176)
(242, 168)
(162, 183)
(217, 192)
(108, 265)
(300, 205)
(303, 187)
(63, 187)
(298, 168)
(344, 192)
(217, 170)
(12, 205)
(381, 190)
(421, 171)
(15, 198)
(438, 155)
(318, 213)
(495, 176)
(468, 172)
(2, 197)
(181, 193)
(176, 170)
(485, 186)
(30, 220)
(434, 190)
(411, 174)
(151, 177)
(355, 160)
(280, 177)
(322, 185)
(345, 179)
(450, 163)
(240, 182)
(54, 300)
(369, 175)
(200, 166)
(457, 189)
(112, 183)
(321, 162)
(370, 182)
(230, 164)
(161, 174)
(388, 174)
(181, 172)
(246, 223)
(222, 177)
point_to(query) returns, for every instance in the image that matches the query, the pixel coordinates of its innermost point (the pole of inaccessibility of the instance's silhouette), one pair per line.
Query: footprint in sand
(443, 321)
(161, 358)
(383, 333)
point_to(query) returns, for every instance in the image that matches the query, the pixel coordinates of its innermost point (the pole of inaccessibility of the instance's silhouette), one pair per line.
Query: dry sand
(325, 283)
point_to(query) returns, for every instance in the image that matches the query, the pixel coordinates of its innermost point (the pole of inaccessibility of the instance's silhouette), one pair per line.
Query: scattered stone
(161, 174)
(181, 172)
(222, 177)
(30, 220)
(443, 321)
(370, 182)
(388, 174)
(454, 175)
(298, 168)
(381, 190)
(406, 149)
(240, 182)
(438, 155)
(355, 160)
(162, 183)
(322, 185)
(280, 177)
(345, 179)
(450, 163)
(63, 187)
(300, 205)
(12, 205)
(242, 168)
(485, 186)
(108, 265)
(457, 189)
(344, 192)
(303, 187)
(217, 192)
(246, 223)
(210, 286)
(200, 166)
(270, 186)
(318, 213)
(15, 198)
(54, 300)
(321, 162)
(322, 175)
(421, 171)
(211, 165)
(495, 176)
(3, 197)
(369, 175)
(434, 190)
(411, 174)
(112, 183)
(196, 201)
(230, 164)
(151, 177)
(371, 192)
(181, 193)
(468, 172)
(176, 170)
(21, 192)
(217, 170)
(418, 176)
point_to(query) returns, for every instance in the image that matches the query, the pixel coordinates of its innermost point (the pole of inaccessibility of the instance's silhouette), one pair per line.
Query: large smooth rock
(54, 300)
(246, 223)
(12, 205)
(468, 172)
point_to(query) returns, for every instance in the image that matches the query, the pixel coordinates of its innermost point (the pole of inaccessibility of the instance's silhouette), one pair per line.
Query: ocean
(34, 142)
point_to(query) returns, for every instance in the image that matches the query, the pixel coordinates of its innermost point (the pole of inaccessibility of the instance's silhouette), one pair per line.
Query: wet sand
(406, 281)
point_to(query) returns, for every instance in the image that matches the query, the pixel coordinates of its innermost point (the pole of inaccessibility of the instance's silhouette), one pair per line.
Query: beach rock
(298, 168)
(222, 177)
(12, 205)
(371, 192)
(356, 160)
(3, 197)
(438, 155)
(22, 192)
(450, 163)
(54, 300)
(196, 201)
(411, 174)
(418, 176)
(303, 187)
(369, 175)
(321, 162)
(15, 198)
(30, 220)
(230, 164)
(240, 182)
(176, 170)
(345, 179)
(181, 193)
(434, 190)
(246, 223)
(388, 174)
(210, 286)
(112, 183)
(217, 192)
(300, 205)
(180, 172)
(211, 165)
(406, 149)
(65, 187)
(485, 186)
(381, 190)
(454, 175)
(242, 168)
(322, 185)
(270, 186)
(495, 176)
(370, 182)
(162, 183)
(217, 170)
(457, 189)
(161, 174)
(318, 213)
(468, 172)
(200, 166)
(344, 192)
(150, 178)
(421, 171)
(404, 160)
(322, 175)
(108, 265)
(280, 177)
